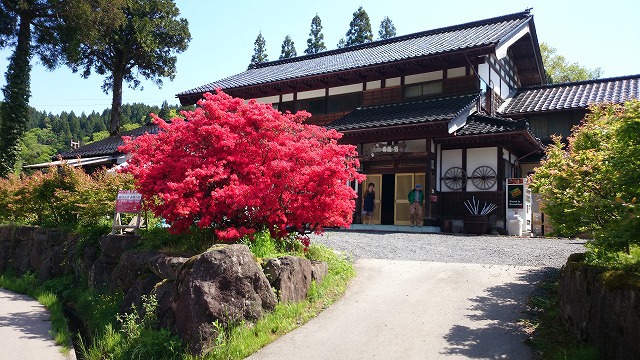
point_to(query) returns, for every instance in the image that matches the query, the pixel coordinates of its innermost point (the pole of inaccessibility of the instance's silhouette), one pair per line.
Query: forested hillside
(50, 134)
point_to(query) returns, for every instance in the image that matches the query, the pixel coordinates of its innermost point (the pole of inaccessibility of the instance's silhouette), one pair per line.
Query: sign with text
(515, 197)
(128, 201)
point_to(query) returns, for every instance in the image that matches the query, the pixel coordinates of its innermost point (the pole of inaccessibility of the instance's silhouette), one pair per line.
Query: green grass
(548, 335)
(29, 285)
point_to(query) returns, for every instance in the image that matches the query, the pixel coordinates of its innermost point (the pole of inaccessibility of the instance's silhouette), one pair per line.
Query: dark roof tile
(574, 95)
(439, 41)
(108, 146)
(414, 112)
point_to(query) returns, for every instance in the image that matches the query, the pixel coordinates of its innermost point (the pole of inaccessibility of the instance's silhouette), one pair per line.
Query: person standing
(368, 204)
(416, 197)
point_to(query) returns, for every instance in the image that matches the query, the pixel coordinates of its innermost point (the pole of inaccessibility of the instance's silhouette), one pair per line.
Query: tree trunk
(116, 104)
(17, 91)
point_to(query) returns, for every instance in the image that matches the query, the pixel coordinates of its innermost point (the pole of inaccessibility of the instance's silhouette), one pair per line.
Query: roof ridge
(522, 14)
(581, 82)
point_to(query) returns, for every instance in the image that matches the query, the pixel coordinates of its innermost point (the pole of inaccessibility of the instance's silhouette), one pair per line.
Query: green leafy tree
(558, 69)
(259, 52)
(37, 27)
(593, 185)
(288, 48)
(387, 29)
(341, 43)
(315, 42)
(359, 29)
(145, 44)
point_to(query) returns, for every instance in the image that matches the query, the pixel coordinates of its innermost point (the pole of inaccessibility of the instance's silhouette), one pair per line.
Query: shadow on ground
(499, 310)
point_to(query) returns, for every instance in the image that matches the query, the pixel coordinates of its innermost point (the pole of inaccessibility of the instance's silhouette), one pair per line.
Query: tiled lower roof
(414, 112)
(483, 124)
(108, 146)
(574, 95)
(461, 37)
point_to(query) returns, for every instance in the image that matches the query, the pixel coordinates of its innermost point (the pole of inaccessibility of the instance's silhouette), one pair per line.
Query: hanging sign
(128, 201)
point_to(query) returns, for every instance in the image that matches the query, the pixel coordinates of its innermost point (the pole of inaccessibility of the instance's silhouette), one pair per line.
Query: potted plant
(477, 221)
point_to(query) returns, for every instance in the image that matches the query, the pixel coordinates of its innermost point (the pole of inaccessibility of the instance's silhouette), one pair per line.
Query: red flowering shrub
(240, 168)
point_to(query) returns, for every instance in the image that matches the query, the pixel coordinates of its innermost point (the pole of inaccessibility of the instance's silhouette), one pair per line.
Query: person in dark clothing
(368, 204)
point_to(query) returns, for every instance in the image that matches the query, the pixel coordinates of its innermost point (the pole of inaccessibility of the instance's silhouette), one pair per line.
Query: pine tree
(288, 48)
(259, 52)
(387, 29)
(359, 29)
(315, 42)
(341, 43)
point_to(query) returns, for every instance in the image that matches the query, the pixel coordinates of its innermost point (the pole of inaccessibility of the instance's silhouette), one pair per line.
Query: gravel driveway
(428, 296)
(498, 250)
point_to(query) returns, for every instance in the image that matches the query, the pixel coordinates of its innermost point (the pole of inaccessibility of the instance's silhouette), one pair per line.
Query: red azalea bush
(242, 167)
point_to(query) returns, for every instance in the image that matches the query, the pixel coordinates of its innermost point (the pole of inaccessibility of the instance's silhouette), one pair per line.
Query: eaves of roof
(572, 95)
(473, 35)
(406, 113)
(108, 146)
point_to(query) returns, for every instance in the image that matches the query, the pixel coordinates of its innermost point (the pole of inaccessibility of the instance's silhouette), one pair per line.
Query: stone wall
(224, 284)
(601, 308)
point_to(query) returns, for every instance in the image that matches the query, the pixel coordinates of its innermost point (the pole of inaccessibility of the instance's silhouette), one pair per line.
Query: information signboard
(128, 201)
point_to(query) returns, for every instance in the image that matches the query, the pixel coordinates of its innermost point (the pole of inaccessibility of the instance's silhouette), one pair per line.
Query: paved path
(419, 310)
(24, 329)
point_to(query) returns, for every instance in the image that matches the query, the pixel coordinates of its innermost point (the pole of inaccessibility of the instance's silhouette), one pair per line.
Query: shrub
(62, 197)
(239, 168)
(594, 185)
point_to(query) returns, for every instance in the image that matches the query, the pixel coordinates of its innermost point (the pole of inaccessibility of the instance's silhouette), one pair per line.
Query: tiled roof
(108, 146)
(414, 112)
(433, 42)
(483, 124)
(574, 95)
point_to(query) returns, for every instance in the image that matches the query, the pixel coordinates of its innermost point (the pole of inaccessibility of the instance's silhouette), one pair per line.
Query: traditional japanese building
(458, 109)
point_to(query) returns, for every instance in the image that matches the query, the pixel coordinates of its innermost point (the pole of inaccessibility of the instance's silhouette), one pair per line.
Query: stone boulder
(319, 270)
(224, 284)
(290, 276)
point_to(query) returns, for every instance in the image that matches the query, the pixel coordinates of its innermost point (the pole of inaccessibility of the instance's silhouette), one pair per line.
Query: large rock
(225, 285)
(290, 276)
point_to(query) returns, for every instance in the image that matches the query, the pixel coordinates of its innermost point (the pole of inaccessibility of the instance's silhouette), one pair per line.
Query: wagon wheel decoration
(483, 177)
(455, 178)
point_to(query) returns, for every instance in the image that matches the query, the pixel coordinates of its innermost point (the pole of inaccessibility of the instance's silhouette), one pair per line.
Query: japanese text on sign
(128, 201)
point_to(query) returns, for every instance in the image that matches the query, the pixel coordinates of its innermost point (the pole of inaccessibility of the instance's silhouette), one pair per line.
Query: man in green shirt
(416, 197)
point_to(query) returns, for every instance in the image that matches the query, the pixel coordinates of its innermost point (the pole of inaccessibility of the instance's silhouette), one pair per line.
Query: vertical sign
(515, 194)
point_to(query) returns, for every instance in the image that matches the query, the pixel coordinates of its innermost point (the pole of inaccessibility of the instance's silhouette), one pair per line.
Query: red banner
(128, 201)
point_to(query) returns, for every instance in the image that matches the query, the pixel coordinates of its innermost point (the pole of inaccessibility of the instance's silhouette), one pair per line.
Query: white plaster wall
(287, 97)
(374, 84)
(392, 82)
(495, 82)
(310, 94)
(483, 72)
(481, 157)
(449, 158)
(423, 77)
(456, 72)
(269, 99)
(345, 89)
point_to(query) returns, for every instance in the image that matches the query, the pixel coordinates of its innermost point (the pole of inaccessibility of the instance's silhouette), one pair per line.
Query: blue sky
(593, 33)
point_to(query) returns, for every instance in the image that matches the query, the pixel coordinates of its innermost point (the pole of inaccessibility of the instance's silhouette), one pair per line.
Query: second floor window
(423, 89)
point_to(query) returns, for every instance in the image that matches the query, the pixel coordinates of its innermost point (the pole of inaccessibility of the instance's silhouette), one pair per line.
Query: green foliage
(259, 52)
(593, 185)
(387, 29)
(315, 42)
(14, 113)
(63, 197)
(192, 242)
(144, 44)
(359, 29)
(559, 70)
(288, 48)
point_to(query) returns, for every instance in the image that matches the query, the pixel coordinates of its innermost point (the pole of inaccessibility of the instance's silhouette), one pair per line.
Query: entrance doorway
(388, 199)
